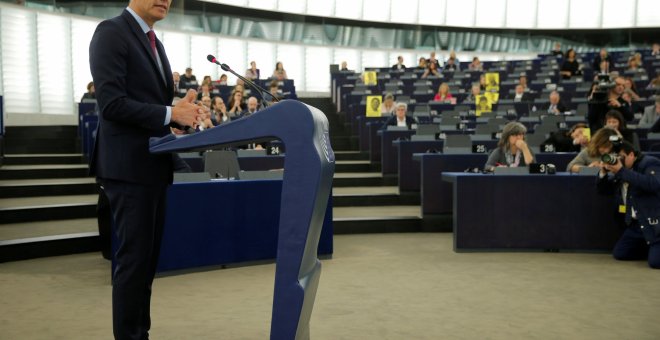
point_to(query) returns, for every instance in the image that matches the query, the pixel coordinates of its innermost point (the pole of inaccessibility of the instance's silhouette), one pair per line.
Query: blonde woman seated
(599, 145)
(443, 93)
(512, 150)
(387, 108)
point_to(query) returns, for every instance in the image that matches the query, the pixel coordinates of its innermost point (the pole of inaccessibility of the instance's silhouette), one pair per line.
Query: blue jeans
(632, 246)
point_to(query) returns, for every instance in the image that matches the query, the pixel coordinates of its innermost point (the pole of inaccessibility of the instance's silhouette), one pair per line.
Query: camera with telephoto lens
(613, 156)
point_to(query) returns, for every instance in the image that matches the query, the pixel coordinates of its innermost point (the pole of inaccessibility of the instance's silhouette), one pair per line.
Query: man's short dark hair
(628, 147)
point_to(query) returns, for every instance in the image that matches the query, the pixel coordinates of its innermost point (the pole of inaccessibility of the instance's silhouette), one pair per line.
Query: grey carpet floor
(380, 286)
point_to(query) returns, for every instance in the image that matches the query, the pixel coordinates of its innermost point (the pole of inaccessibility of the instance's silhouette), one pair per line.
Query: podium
(306, 186)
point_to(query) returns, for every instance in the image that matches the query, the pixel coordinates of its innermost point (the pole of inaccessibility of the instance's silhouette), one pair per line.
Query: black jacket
(643, 193)
(132, 98)
(392, 121)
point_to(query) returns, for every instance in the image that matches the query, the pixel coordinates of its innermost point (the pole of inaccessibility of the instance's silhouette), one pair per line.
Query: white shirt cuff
(168, 115)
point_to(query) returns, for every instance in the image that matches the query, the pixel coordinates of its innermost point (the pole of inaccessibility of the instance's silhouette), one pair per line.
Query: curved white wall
(530, 14)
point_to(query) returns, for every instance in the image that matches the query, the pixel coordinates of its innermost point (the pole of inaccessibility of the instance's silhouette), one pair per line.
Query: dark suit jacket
(132, 96)
(526, 97)
(643, 193)
(560, 107)
(393, 120)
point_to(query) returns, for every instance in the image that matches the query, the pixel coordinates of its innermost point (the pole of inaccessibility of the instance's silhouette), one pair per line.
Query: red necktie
(152, 42)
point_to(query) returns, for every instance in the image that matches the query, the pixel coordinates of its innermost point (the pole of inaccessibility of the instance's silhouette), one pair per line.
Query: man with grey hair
(651, 113)
(555, 107)
(400, 118)
(252, 107)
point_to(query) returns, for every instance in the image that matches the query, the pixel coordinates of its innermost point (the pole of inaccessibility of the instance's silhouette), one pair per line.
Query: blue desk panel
(409, 170)
(387, 154)
(84, 109)
(436, 195)
(224, 222)
(531, 212)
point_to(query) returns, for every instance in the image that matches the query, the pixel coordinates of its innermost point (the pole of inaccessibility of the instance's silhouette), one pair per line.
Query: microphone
(260, 90)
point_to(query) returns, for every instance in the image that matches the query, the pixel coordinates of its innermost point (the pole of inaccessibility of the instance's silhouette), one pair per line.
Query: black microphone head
(210, 58)
(225, 67)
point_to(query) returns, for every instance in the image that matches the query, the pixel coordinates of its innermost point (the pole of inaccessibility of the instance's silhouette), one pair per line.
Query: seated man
(557, 50)
(635, 179)
(520, 95)
(252, 107)
(399, 66)
(400, 118)
(602, 62)
(189, 80)
(651, 114)
(573, 140)
(555, 106)
(616, 101)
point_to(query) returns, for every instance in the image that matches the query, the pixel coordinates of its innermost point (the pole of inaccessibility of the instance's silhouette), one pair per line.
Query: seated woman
(219, 111)
(223, 80)
(599, 145)
(91, 92)
(431, 71)
(474, 92)
(207, 81)
(443, 93)
(422, 64)
(630, 88)
(573, 140)
(512, 150)
(476, 65)
(614, 120)
(236, 105)
(253, 72)
(482, 82)
(570, 67)
(279, 73)
(400, 118)
(387, 108)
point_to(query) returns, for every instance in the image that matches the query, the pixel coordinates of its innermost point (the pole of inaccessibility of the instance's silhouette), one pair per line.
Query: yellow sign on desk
(483, 105)
(492, 82)
(373, 106)
(370, 78)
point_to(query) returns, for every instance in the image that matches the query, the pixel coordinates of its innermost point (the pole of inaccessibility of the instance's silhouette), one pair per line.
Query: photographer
(606, 97)
(635, 179)
(599, 145)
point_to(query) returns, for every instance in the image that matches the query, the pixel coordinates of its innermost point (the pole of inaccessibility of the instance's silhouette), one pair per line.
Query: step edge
(39, 239)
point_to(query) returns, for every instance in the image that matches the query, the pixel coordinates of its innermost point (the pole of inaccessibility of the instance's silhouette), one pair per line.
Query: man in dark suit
(400, 118)
(134, 91)
(555, 106)
(520, 95)
(399, 66)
